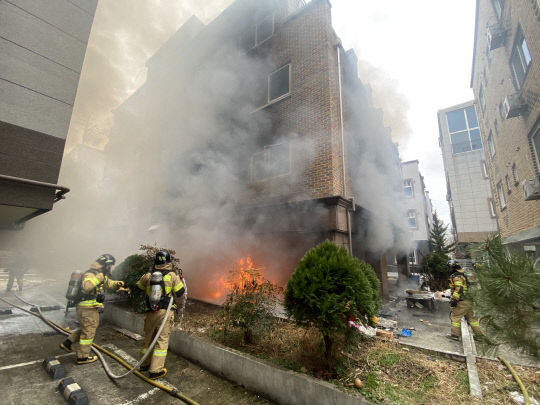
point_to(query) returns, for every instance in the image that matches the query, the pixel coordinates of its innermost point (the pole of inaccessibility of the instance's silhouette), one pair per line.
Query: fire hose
(97, 349)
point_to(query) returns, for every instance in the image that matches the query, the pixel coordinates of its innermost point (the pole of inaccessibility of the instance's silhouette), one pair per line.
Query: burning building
(253, 135)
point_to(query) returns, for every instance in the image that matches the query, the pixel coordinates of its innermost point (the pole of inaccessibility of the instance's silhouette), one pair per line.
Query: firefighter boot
(66, 345)
(159, 374)
(453, 337)
(86, 360)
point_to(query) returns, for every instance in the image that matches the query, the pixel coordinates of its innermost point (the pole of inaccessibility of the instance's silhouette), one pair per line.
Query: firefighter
(159, 286)
(90, 304)
(15, 273)
(460, 303)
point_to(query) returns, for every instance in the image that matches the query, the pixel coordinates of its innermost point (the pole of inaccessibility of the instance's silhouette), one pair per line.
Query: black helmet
(453, 265)
(106, 260)
(162, 257)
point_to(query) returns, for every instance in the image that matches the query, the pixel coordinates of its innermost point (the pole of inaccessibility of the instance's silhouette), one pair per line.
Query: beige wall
(491, 71)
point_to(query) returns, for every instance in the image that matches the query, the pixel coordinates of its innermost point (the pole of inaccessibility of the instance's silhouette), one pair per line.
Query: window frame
(492, 209)
(409, 217)
(491, 145)
(264, 152)
(257, 42)
(468, 129)
(498, 5)
(517, 48)
(500, 193)
(415, 257)
(275, 100)
(411, 186)
(482, 98)
(534, 151)
(485, 173)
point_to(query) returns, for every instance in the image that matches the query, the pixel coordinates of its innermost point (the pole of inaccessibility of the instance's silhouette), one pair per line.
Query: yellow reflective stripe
(456, 294)
(167, 277)
(475, 323)
(160, 352)
(167, 290)
(458, 283)
(139, 284)
(144, 350)
(88, 303)
(93, 280)
(456, 323)
(86, 341)
(178, 287)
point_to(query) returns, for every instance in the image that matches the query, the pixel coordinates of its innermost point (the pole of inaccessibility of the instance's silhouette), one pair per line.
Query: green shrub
(329, 286)
(434, 266)
(134, 267)
(251, 302)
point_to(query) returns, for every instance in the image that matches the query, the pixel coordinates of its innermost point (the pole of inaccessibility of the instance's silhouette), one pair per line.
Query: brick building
(42, 49)
(506, 83)
(294, 127)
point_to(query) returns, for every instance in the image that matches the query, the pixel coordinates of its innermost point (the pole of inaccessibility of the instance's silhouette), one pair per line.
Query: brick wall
(511, 136)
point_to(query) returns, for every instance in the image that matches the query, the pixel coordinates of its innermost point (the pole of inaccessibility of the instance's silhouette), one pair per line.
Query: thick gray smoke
(173, 165)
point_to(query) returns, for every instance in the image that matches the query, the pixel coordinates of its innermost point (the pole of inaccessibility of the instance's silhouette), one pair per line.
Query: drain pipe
(342, 130)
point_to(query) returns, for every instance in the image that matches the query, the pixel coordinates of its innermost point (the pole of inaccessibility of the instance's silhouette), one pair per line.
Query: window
(411, 218)
(496, 126)
(515, 175)
(463, 129)
(520, 59)
(412, 257)
(535, 140)
(482, 98)
(507, 182)
(491, 145)
(499, 7)
(492, 208)
(279, 83)
(408, 187)
(258, 33)
(273, 161)
(502, 198)
(484, 170)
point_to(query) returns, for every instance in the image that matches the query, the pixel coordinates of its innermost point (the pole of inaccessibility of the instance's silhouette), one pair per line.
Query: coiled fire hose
(518, 380)
(97, 349)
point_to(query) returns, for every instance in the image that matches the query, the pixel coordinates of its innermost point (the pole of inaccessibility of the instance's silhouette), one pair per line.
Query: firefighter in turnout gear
(89, 305)
(159, 286)
(460, 304)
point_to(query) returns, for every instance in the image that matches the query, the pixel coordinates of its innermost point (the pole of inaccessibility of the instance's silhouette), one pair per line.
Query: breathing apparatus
(156, 291)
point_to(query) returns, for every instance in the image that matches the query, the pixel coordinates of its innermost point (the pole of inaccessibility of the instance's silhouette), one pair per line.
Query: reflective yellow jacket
(93, 283)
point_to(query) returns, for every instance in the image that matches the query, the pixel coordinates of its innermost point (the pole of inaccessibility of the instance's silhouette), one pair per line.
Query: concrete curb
(282, 386)
(469, 349)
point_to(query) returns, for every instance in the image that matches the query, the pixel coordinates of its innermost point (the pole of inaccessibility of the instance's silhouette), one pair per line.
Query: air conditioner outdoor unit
(513, 106)
(531, 188)
(496, 36)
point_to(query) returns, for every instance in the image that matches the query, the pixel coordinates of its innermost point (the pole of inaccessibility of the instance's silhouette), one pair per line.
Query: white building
(468, 188)
(419, 211)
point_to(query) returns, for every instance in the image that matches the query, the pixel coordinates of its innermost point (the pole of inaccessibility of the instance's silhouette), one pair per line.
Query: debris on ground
(518, 398)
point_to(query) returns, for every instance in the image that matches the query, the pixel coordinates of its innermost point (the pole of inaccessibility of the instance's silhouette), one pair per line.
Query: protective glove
(119, 284)
(100, 297)
(453, 303)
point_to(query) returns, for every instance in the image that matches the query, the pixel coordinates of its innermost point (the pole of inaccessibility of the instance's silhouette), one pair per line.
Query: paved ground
(25, 341)
(431, 327)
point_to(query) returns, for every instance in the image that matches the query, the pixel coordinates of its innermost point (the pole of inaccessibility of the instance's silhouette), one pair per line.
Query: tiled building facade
(468, 190)
(42, 49)
(506, 83)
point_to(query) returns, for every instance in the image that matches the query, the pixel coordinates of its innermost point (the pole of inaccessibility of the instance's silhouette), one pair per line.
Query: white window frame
(468, 129)
(500, 192)
(491, 205)
(536, 153)
(485, 172)
(274, 100)
(408, 183)
(414, 255)
(264, 152)
(257, 42)
(409, 217)
(518, 48)
(499, 7)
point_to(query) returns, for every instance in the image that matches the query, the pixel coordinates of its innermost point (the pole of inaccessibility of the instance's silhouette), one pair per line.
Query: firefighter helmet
(106, 260)
(162, 258)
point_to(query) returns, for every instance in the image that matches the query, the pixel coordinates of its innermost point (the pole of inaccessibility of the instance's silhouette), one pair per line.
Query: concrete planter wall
(281, 386)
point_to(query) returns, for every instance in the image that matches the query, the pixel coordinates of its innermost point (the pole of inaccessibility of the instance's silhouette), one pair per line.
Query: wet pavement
(25, 341)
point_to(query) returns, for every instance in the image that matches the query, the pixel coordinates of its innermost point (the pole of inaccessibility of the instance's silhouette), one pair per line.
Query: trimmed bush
(328, 287)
